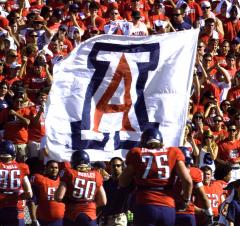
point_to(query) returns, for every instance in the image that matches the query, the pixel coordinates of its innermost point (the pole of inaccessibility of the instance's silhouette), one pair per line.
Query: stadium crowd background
(35, 34)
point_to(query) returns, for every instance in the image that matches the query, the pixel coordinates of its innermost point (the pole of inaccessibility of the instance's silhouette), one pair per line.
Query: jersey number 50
(162, 168)
(84, 189)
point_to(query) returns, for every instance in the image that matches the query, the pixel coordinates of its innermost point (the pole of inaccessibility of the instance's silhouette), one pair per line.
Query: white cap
(205, 4)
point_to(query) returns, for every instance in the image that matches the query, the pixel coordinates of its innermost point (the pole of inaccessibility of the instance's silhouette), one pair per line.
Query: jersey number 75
(163, 170)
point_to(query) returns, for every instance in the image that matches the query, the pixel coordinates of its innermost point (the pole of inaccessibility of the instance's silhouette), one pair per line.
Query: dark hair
(209, 21)
(45, 10)
(4, 83)
(223, 102)
(50, 162)
(206, 168)
(12, 16)
(230, 56)
(40, 61)
(93, 5)
(35, 165)
(222, 171)
(117, 158)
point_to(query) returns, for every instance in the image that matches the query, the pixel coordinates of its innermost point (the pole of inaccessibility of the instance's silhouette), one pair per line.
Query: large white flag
(111, 88)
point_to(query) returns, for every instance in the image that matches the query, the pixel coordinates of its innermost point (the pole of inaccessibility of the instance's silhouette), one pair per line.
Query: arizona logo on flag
(111, 88)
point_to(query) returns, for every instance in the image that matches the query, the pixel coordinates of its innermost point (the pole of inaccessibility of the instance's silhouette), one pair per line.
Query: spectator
(116, 24)
(62, 35)
(207, 13)
(114, 213)
(218, 129)
(229, 151)
(36, 128)
(232, 24)
(208, 151)
(209, 31)
(15, 128)
(75, 36)
(225, 106)
(94, 22)
(136, 27)
(223, 51)
(158, 21)
(178, 22)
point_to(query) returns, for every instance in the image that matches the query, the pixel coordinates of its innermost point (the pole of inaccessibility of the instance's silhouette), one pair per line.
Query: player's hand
(208, 212)
(183, 206)
(35, 223)
(225, 209)
(209, 216)
(12, 112)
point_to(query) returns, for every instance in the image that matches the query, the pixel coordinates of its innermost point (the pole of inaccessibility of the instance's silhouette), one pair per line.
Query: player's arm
(32, 211)
(27, 189)
(207, 210)
(202, 195)
(101, 198)
(60, 192)
(186, 180)
(126, 177)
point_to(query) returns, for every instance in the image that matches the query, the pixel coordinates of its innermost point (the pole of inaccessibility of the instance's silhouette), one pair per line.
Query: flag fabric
(111, 88)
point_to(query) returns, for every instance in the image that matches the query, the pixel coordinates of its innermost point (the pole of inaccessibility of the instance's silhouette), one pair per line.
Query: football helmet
(7, 149)
(151, 138)
(188, 155)
(80, 157)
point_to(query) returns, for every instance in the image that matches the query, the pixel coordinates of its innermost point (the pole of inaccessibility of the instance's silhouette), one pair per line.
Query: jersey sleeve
(133, 157)
(66, 175)
(35, 179)
(24, 169)
(99, 179)
(196, 176)
(177, 153)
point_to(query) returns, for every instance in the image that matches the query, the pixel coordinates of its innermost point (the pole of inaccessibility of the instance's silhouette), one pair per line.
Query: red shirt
(100, 22)
(229, 151)
(214, 192)
(48, 209)
(12, 175)
(233, 93)
(154, 168)
(82, 188)
(15, 130)
(195, 11)
(231, 29)
(36, 130)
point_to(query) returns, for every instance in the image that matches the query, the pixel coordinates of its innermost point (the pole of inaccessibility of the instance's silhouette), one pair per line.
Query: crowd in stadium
(195, 184)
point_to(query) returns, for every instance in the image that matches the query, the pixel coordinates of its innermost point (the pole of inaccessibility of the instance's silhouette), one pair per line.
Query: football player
(82, 191)
(48, 211)
(187, 217)
(14, 186)
(214, 191)
(154, 168)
